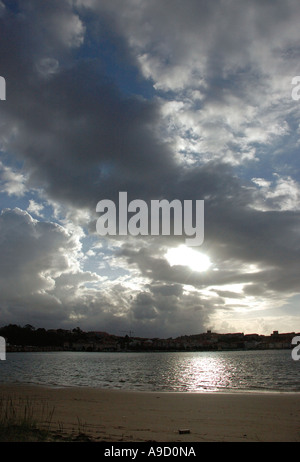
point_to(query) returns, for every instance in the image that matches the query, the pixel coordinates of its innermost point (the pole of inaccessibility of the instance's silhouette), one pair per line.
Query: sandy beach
(113, 415)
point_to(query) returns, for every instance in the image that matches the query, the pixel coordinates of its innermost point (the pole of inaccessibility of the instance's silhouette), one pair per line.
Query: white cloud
(13, 182)
(42, 261)
(238, 57)
(283, 193)
(35, 208)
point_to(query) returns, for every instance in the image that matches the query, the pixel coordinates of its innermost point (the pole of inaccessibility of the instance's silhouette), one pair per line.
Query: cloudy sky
(188, 100)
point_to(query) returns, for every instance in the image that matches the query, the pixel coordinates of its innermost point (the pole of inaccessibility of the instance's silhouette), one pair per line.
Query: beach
(129, 416)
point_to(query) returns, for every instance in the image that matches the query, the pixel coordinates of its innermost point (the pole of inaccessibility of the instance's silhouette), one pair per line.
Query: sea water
(270, 370)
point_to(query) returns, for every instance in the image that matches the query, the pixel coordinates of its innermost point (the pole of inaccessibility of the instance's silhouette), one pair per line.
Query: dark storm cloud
(167, 289)
(85, 141)
(80, 139)
(162, 313)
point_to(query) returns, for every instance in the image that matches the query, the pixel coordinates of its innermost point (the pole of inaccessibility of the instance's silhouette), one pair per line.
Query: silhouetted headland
(28, 338)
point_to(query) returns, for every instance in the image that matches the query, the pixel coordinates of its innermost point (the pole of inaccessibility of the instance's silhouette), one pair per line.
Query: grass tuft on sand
(24, 420)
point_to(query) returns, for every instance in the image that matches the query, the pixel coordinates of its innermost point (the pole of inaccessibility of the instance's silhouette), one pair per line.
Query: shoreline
(141, 390)
(113, 415)
(132, 390)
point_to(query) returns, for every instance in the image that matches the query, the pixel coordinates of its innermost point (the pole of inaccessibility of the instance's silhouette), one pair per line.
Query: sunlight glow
(185, 256)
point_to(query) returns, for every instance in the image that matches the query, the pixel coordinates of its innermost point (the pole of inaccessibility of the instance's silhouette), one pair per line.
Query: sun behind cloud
(185, 256)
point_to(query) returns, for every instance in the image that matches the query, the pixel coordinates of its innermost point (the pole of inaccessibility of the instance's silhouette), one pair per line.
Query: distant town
(28, 338)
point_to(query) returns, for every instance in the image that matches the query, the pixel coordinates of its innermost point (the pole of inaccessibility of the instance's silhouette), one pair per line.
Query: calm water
(189, 372)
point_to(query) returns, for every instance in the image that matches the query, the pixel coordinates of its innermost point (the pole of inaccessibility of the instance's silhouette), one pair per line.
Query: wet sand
(115, 416)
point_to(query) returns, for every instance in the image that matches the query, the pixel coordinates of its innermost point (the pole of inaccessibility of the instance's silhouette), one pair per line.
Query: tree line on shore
(28, 335)
(40, 338)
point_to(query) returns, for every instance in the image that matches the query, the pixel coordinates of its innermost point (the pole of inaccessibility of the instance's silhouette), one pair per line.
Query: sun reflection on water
(201, 374)
(159, 371)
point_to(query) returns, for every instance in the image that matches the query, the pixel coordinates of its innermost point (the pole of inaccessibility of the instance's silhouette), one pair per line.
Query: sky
(187, 100)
